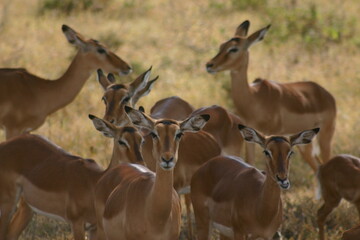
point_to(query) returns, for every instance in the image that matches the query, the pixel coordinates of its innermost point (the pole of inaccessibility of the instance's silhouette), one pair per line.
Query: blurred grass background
(308, 40)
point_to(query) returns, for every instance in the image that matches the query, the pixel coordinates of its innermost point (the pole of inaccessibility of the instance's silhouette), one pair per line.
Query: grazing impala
(276, 108)
(52, 182)
(339, 178)
(238, 199)
(135, 203)
(26, 100)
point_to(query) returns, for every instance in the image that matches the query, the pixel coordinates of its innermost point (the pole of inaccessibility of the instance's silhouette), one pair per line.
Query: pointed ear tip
(99, 71)
(141, 109)
(316, 130)
(64, 27)
(91, 116)
(241, 127)
(206, 117)
(268, 26)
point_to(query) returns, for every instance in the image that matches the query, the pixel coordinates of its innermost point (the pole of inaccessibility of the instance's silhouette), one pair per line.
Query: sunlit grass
(177, 38)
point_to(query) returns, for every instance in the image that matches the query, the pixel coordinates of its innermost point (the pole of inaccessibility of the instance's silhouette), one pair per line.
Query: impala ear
(143, 92)
(242, 29)
(250, 135)
(103, 126)
(104, 82)
(194, 123)
(139, 119)
(73, 37)
(257, 36)
(140, 82)
(304, 137)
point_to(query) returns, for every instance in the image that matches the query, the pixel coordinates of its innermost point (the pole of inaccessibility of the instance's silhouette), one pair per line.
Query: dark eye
(267, 153)
(122, 143)
(233, 50)
(101, 51)
(179, 135)
(126, 100)
(153, 135)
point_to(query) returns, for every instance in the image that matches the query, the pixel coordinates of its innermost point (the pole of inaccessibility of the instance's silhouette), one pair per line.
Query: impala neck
(240, 89)
(117, 156)
(269, 203)
(161, 196)
(62, 91)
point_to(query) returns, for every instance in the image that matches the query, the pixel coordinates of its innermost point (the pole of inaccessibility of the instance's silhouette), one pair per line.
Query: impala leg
(78, 230)
(250, 153)
(324, 139)
(9, 196)
(322, 213)
(188, 215)
(202, 218)
(306, 153)
(20, 220)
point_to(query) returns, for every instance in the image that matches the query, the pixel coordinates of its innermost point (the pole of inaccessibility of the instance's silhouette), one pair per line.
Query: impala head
(234, 52)
(127, 139)
(117, 96)
(166, 134)
(278, 150)
(96, 53)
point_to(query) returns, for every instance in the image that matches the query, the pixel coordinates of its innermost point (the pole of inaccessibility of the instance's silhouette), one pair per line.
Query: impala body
(239, 200)
(26, 99)
(52, 182)
(133, 202)
(276, 108)
(339, 178)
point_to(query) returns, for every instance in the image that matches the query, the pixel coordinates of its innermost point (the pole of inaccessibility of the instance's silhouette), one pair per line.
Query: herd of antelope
(172, 150)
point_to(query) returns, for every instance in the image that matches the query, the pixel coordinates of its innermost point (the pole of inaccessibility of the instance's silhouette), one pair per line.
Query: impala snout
(283, 181)
(126, 72)
(209, 67)
(167, 162)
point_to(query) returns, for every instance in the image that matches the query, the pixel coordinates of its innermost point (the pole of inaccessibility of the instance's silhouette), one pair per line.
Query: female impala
(339, 178)
(276, 108)
(238, 199)
(135, 203)
(53, 182)
(26, 100)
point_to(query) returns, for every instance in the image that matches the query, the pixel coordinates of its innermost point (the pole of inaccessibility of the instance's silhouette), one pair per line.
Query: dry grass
(177, 38)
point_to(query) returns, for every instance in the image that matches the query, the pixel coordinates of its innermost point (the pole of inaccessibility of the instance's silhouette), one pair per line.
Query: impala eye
(233, 50)
(153, 135)
(267, 153)
(122, 143)
(101, 51)
(179, 135)
(125, 100)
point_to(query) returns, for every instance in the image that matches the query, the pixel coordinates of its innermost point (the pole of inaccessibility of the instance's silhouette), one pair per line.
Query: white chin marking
(284, 184)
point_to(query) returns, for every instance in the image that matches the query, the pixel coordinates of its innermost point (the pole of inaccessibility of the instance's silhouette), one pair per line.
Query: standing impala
(238, 199)
(276, 108)
(135, 203)
(26, 100)
(54, 183)
(339, 178)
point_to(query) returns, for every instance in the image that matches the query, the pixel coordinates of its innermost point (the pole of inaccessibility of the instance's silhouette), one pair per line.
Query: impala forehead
(167, 127)
(130, 134)
(113, 93)
(232, 42)
(278, 145)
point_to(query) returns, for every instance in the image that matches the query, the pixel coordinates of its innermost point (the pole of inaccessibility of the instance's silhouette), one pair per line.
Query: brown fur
(26, 100)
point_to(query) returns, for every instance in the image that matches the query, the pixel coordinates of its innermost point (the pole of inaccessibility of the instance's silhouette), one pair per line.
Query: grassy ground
(308, 40)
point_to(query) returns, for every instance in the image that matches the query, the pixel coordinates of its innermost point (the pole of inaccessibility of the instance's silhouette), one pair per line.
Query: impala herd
(173, 150)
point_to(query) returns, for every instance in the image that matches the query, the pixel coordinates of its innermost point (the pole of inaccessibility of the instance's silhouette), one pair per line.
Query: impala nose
(209, 65)
(284, 183)
(167, 163)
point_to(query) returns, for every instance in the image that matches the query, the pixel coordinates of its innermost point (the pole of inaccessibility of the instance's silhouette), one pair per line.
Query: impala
(191, 153)
(26, 100)
(135, 203)
(116, 96)
(276, 108)
(339, 178)
(54, 183)
(239, 200)
(352, 234)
